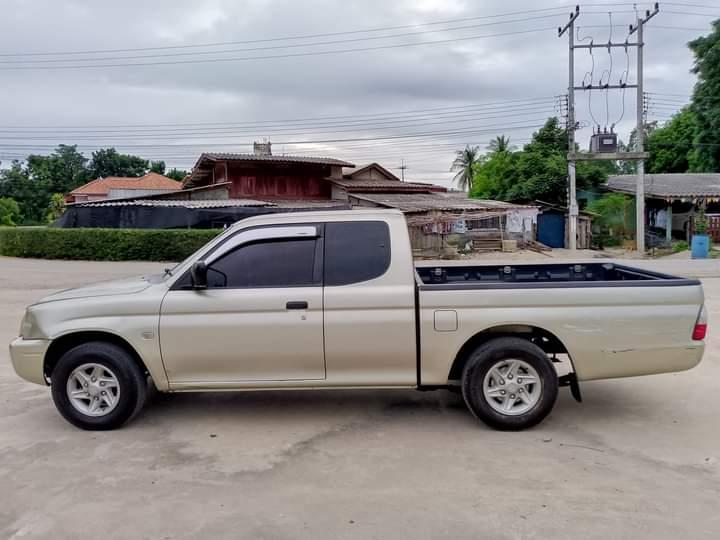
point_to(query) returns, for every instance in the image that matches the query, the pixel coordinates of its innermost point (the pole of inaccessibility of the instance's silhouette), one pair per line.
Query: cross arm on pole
(648, 15)
(605, 86)
(591, 46)
(573, 16)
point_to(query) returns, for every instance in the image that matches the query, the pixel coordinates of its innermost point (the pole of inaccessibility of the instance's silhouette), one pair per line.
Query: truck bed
(552, 275)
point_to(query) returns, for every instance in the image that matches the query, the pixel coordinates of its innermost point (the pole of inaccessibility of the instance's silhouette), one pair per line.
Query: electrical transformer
(603, 143)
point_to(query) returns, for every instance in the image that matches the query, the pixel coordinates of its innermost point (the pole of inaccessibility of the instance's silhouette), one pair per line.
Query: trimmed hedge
(103, 244)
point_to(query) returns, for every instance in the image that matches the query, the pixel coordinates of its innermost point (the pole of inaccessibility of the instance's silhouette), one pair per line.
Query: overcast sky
(494, 68)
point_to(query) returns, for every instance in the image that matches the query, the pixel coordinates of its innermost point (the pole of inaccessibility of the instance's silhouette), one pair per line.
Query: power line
(451, 108)
(274, 132)
(683, 28)
(286, 38)
(359, 122)
(327, 141)
(275, 56)
(692, 14)
(688, 5)
(273, 47)
(225, 134)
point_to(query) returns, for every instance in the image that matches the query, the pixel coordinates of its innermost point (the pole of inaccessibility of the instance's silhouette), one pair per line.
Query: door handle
(297, 305)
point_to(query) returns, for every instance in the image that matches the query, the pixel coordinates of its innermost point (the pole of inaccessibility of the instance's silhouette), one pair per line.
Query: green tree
(62, 171)
(176, 174)
(464, 163)
(501, 143)
(9, 212)
(706, 101)
(32, 194)
(671, 146)
(108, 162)
(157, 167)
(549, 139)
(537, 172)
(612, 210)
(56, 207)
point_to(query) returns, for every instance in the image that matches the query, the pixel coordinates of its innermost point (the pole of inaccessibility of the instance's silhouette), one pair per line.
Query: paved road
(638, 459)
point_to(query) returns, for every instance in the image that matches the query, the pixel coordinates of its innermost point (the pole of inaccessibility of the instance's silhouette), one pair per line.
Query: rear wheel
(509, 384)
(98, 386)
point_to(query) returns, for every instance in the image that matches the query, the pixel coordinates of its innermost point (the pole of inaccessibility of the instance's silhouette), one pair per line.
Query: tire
(121, 397)
(488, 385)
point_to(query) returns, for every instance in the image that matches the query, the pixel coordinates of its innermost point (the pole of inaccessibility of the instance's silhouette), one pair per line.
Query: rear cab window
(356, 251)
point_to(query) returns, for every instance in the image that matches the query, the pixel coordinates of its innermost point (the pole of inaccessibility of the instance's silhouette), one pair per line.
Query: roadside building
(120, 187)
(442, 222)
(553, 226)
(374, 178)
(672, 201)
(266, 176)
(226, 187)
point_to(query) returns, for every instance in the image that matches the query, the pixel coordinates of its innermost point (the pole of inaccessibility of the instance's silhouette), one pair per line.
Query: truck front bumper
(28, 358)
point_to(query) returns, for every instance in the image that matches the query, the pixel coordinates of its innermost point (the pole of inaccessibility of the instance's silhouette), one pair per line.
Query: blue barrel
(700, 247)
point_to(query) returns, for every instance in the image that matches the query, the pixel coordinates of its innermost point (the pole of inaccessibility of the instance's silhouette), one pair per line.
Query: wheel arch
(541, 337)
(64, 343)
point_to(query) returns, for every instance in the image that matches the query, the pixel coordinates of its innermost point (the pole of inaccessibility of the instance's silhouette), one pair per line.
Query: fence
(713, 227)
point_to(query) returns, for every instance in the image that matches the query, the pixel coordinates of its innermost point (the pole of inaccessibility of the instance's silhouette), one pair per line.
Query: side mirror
(198, 274)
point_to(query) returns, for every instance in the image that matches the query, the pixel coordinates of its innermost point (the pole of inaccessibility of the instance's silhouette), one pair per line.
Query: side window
(356, 251)
(276, 263)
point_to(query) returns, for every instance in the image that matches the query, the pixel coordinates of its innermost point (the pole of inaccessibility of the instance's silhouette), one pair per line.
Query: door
(259, 319)
(369, 305)
(551, 230)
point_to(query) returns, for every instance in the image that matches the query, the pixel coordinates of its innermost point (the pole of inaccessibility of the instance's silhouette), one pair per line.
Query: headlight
(29, 327)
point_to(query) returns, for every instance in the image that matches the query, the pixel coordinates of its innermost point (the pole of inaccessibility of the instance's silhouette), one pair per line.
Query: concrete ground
(638, 459)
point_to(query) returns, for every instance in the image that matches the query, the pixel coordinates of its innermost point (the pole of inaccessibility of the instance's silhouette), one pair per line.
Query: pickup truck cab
(334, 300)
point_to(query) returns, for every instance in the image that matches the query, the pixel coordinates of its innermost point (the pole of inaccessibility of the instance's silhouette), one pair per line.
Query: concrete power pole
(572, 203)
(402, 168)
(639, 154)
(640, 130)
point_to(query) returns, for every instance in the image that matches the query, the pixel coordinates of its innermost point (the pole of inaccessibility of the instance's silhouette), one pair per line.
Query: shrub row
(102, 244)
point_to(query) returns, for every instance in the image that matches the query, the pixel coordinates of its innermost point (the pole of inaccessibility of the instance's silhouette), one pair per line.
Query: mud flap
(571, 380)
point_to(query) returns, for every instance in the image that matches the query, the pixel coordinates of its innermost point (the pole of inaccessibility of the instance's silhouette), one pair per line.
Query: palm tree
(463, 164)
(501, 143)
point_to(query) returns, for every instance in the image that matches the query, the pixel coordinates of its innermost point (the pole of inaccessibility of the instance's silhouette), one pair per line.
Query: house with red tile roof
(119, 187)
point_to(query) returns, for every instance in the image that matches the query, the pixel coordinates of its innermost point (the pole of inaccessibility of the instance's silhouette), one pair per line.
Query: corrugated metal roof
(161, 203)
(423, 202)
(222, 156)
(368, 184)
(669, 186)
(309, 204)
(218, 203)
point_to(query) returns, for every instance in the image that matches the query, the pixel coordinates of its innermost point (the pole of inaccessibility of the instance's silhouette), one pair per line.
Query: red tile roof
(102, 186)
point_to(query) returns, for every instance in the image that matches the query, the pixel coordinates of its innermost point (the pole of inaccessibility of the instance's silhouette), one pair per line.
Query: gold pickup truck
(334, 300)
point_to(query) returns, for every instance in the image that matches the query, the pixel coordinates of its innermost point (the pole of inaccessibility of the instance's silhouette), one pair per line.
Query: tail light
(700, 325)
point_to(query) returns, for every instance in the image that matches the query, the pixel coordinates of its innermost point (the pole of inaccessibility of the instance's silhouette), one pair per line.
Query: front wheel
(509, 384)
(98, 386)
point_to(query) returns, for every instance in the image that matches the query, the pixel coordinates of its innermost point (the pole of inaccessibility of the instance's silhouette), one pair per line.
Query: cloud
(382, 82)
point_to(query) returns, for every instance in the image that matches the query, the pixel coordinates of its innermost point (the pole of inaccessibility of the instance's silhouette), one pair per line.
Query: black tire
(489, 355)
(132, 384)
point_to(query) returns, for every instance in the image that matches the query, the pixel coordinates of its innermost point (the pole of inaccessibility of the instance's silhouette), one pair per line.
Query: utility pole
(640, 130)
(639, 154)
(402, 168)
(572, 196)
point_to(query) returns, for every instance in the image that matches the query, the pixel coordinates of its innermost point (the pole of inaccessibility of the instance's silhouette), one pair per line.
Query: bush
(9, 212)
(682, 245)
(609, 227)
(103, 244)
